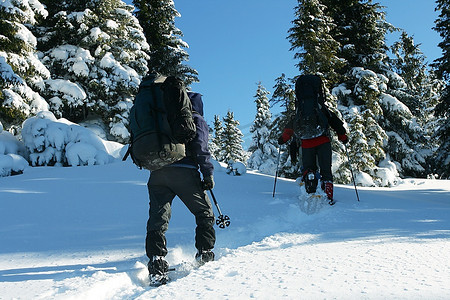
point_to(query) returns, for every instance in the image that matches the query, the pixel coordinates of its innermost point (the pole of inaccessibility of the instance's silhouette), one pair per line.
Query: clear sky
(235, 44)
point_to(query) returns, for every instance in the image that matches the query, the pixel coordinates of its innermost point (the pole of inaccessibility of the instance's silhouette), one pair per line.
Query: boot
(158, 268)
(310, 179)
(204, 256)
(327, 187)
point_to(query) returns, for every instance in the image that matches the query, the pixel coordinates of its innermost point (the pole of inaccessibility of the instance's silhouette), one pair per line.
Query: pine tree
(284, 97)
(21, 73)
(442, 110)
(360, 29)
(216, 141)
(359, 153)
(167, 49)
(262, 120)
(231, 136)
(409, 62)
(264, 153)
(96, 52)
(313, 27)
(417, 91)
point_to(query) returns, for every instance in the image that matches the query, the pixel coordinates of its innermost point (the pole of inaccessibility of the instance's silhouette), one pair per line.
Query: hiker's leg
(309, 159)
(187, 185)
(161, 198)
(324, 158)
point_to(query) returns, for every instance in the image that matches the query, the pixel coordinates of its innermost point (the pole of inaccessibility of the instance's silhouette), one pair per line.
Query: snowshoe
(158, 269)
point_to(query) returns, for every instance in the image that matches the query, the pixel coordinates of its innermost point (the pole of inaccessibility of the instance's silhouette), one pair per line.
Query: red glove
(343, 138)
(287, 134)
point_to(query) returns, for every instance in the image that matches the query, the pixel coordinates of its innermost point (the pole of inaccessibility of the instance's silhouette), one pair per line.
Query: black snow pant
(322, 155)
(163, 186)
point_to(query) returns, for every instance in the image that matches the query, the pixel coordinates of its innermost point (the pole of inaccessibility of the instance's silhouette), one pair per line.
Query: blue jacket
(197, 152)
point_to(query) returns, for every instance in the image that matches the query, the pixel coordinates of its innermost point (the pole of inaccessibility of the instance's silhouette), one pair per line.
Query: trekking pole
(351, 171)
(276, 173)
(222, 221)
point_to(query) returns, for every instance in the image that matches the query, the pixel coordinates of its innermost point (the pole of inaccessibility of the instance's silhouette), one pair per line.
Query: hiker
(182, 179)
(310, 126)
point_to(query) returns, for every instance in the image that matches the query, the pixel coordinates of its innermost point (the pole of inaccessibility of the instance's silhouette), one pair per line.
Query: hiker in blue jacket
(182, 179)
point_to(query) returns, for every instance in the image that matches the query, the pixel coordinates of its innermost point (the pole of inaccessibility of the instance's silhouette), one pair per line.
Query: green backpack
(160, 122)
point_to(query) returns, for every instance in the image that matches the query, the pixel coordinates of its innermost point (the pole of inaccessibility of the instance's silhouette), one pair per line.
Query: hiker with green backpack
(310, 126)
(170, 138)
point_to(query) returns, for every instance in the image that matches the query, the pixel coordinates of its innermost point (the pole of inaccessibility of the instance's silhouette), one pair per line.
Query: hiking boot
(311, 181)
(204, 256)
(158, 265)
(327, 187)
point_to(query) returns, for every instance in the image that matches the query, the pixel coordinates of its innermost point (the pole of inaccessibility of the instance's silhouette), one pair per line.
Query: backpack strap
(155, 110)
(127, 153)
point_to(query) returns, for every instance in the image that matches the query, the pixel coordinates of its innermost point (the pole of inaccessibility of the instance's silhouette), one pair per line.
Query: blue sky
(235, 44)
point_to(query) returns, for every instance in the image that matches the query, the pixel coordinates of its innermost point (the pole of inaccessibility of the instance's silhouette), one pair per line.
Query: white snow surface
(78, 233)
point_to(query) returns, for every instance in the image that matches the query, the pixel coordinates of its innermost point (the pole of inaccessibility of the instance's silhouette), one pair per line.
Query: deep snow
(78, 233)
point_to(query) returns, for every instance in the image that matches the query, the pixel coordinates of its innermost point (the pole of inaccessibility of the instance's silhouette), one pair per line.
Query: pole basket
(223, 221)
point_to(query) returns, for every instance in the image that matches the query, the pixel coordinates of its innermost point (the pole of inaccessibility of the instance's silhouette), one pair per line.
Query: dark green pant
(163, 186)
(322, 155)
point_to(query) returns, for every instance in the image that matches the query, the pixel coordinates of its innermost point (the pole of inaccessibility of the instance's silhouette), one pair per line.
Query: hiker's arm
(288, 132)
(199, 147)
(334, 121)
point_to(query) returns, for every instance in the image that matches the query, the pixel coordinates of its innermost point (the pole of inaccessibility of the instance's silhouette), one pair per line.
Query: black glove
(208, 182)
(281, 141)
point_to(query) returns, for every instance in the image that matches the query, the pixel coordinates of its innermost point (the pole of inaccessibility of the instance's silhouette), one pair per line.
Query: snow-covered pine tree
(96, 52)
(422, 87)
(312, 27)
(360, 30)
(417, 90)
(409, 63)
(442, 66)
(263, 149)
(167, 49)
(21, 72)
(215, 143)
(231, 136)
(284, 97)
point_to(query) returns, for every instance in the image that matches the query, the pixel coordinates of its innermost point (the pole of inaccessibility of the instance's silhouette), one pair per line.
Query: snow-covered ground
(78, 233)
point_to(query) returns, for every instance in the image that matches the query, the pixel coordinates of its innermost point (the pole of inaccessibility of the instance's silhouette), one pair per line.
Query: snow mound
(12, 154)
(52, 141)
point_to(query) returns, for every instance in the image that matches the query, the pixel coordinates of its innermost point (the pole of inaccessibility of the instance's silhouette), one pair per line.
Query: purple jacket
(197, 153)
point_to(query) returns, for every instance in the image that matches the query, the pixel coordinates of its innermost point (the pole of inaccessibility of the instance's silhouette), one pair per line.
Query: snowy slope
(78, 233)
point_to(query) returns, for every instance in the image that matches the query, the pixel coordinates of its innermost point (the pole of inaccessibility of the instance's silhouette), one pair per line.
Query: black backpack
(310, 120)
(160, 122)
